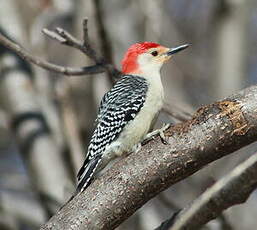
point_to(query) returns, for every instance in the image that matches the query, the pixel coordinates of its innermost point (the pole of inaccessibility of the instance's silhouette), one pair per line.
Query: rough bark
(214, 131)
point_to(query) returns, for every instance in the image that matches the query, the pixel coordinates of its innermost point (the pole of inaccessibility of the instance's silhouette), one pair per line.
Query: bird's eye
(154, 53)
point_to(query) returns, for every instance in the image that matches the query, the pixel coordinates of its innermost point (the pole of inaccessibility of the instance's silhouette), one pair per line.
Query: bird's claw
(164, 139)
(159, 132)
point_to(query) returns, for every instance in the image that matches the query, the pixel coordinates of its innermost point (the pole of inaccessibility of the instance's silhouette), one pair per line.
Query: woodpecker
(127, 112)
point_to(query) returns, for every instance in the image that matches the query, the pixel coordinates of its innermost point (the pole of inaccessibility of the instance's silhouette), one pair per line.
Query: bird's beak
(172, 51)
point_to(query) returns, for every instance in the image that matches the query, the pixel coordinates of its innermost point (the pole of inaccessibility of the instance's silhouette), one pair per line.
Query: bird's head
(147, 57)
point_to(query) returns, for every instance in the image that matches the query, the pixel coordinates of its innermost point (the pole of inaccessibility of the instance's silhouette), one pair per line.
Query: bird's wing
(118, 106)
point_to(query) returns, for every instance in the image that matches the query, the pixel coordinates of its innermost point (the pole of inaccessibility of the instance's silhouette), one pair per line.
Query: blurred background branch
(233, 189)
(67, 39)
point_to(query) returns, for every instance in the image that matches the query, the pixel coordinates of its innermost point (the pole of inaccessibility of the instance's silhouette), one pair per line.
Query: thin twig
(85, 31)
(104, 42)
(94, 69)
(85, 47)
(67, 39)
(115, 73)
(88, 46)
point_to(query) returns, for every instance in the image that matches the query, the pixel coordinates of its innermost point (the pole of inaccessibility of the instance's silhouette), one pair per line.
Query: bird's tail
(86, 173)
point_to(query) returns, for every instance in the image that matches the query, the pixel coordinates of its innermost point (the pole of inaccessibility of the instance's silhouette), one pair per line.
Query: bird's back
(118, 107)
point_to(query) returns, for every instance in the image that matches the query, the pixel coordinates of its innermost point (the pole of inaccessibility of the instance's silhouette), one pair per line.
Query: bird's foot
(157, 132)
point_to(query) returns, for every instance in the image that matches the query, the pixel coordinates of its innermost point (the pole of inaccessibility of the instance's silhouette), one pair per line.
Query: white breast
(136, 129)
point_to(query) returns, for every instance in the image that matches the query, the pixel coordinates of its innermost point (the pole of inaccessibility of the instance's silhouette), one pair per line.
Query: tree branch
(214, 131)
(65, 38)
(104, 42)
(233, 189)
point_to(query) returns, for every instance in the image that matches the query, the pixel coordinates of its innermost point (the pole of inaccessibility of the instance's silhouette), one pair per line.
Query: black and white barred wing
(119, 106)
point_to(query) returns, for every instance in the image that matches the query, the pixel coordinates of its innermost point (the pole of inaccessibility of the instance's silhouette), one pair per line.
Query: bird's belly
(137, 129)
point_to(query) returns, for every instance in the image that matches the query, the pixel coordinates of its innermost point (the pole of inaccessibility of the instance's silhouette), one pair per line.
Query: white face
(153, 59)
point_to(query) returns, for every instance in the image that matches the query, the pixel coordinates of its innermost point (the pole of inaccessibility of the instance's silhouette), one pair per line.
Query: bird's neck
(152, 75)
(155, 87)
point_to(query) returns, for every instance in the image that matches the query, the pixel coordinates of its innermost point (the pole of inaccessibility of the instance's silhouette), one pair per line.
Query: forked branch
(67, 39)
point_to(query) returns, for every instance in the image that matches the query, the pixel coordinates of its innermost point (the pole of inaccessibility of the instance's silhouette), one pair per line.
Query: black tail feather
(86, 173)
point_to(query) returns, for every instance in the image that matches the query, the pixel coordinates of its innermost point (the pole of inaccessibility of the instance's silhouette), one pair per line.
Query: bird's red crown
(129, 62)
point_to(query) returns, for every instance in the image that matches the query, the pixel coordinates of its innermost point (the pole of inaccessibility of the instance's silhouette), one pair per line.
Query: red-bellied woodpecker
(128, 110)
